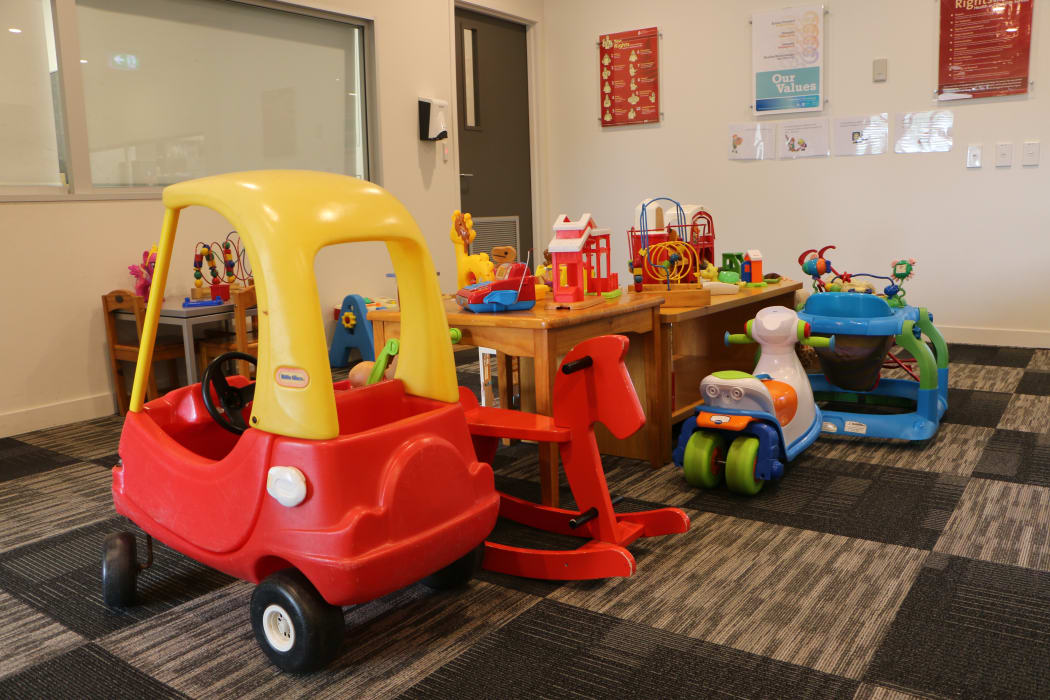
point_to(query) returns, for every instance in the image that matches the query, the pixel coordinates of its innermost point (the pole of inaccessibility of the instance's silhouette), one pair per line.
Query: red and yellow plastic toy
(324, 495)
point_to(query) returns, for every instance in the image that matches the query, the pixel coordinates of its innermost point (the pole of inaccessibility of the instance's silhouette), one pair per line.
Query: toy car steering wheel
(232, 399)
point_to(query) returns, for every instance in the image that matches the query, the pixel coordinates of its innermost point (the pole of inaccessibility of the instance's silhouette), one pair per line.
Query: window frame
(79, 186)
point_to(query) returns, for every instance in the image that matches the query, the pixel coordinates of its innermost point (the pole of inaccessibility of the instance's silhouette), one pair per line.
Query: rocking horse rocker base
(592, 386)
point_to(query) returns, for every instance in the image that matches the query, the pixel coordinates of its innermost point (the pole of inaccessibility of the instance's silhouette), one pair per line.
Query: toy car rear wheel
(740, 466)
(702, 462)
(295, 627)
(459, 572)
(120, 568)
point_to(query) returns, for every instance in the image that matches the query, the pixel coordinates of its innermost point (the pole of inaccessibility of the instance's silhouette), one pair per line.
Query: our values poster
(629, 77)
(787, 59)
(985, 46)
(803, 138)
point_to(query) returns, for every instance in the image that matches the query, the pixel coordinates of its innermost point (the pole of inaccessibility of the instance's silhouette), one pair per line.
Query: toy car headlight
(737, 393)
(712, 391)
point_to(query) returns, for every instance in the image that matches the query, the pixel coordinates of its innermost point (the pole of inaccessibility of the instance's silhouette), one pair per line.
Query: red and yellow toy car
(322, 494)
(514, 289)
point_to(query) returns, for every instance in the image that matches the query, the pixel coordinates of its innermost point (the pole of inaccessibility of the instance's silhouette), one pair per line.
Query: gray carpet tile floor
(874, 569)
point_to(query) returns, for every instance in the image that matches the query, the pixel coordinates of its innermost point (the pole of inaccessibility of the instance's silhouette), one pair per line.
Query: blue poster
(788, 59)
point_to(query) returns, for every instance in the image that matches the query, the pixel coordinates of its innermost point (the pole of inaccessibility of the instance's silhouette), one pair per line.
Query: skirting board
(1008, 337)
(60, 413)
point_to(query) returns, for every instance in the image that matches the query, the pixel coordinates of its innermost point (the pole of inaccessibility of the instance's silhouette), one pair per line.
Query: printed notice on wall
(787, 60)
(924, 132)
(751, 141)
(861, 136)
(803, 138)
(629, 77)
(985, 45)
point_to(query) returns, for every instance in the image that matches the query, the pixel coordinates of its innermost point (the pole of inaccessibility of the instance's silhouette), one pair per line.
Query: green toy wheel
(701, 463)
(740, 466)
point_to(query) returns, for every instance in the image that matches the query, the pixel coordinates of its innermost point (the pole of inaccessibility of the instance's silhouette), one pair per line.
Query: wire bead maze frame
(654, 244)
(236, 266)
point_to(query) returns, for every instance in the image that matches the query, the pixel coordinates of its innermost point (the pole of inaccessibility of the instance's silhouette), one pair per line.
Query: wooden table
(692, 345)
(546, 336)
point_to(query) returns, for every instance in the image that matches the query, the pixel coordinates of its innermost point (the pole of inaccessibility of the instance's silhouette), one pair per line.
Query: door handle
(466, 174)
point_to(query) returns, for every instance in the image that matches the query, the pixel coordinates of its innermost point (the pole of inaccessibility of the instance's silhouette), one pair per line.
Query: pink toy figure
(143, 272)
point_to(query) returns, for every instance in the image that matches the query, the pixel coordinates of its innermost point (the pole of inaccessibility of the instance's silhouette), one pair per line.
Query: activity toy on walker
(867, 327)
(322, 494)
(765, 419)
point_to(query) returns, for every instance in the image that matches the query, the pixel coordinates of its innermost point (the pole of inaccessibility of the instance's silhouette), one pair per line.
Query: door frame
(537, 136)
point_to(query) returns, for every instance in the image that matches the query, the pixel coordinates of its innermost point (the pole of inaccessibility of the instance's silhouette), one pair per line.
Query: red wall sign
(984, 47)
(628, 77)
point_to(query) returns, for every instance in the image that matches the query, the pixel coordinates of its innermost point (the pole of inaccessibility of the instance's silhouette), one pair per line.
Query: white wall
(64, 255)
(980, 236)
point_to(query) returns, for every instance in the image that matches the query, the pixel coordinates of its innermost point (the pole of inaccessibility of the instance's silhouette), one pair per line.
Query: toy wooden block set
(327, 494)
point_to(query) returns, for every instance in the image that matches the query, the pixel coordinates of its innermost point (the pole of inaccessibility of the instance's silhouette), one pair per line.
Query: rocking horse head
(593, 386)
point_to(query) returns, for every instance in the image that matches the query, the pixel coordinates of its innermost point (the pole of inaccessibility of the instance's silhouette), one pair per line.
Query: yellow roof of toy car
(285, 217)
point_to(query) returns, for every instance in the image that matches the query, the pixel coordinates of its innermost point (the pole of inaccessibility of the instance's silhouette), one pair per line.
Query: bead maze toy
(352, 330)
(767, 418)
(235, 268)
(470, 269)
(580, 263)
(592, 385)
(868, 326)
(322, 494)
(669, 256)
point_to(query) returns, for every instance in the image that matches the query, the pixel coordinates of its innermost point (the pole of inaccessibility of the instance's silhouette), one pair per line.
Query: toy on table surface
(764, 418)
(592, 385)
(514, 289)
(352, 330)
(868, 327)
(664, 228)
(261, 490)
(470, 269)
(580, 253)
(143, 272)
(236, 269)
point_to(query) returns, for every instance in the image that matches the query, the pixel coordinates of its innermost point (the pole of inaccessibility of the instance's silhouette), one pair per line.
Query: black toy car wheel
(120, 568)
(459, 572)
(296, 628)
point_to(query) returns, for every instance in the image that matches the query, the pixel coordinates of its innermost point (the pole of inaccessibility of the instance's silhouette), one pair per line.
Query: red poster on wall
(629, 77)
(985, 46)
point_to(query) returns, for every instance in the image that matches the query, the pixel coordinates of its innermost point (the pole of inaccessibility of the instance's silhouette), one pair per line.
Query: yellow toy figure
(470, 269)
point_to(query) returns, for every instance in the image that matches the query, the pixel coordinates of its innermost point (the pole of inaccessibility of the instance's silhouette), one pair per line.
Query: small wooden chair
(121, 350)
(241, 340)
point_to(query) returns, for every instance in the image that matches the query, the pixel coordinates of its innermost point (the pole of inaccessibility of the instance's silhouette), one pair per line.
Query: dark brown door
(493, 92)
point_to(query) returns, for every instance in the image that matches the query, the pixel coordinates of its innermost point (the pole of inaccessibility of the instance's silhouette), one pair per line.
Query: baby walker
(867, 326)
(767, 418)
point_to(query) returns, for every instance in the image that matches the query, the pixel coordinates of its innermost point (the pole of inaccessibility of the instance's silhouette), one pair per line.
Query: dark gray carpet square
(990, 355)
(981, 408)
(61, 577)
(560, 651)
(1017, 456)
(86, 672)
(1037, 383)
(969, 629)
(867, 501)
(19, 459)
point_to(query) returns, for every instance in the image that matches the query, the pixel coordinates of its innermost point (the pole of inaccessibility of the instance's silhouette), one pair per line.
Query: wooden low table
(546, 336)
(692, 345)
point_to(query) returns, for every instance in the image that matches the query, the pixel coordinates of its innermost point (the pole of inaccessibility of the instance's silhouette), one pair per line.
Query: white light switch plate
(973, 155)
(1030, 153)
(1004, 155)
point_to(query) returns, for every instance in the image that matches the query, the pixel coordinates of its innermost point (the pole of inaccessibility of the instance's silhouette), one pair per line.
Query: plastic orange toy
(323, 494)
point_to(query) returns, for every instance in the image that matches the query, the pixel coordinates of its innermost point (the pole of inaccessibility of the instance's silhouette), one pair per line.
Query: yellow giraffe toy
(470, 269)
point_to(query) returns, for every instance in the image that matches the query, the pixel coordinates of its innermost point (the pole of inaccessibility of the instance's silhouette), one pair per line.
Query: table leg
(544, 378)
(187, 347)
(658, 427)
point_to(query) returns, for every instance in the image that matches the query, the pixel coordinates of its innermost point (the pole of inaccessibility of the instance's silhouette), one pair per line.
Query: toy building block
(352, 330)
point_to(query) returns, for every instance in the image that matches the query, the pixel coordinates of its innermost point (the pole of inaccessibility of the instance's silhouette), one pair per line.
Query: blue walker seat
(865, 327)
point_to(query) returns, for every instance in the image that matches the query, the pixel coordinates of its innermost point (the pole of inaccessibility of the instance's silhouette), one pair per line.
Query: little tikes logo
(719, 420)
(292, 377)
